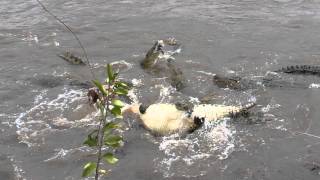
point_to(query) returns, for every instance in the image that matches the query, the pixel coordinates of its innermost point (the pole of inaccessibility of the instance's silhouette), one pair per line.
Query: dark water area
(43, 120)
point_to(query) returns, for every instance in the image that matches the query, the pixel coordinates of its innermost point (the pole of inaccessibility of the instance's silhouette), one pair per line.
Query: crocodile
(158, 52)
(238, 83)
(153, 54)
(71, 58)
(301, 69)
(177, 79)
(241, 84)
(52, 81)
(235, 83)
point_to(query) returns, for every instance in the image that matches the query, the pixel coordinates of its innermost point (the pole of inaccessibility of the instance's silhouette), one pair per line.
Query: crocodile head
(153, 54)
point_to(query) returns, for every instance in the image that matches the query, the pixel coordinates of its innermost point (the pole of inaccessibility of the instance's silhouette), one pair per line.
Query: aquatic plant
(104, 96)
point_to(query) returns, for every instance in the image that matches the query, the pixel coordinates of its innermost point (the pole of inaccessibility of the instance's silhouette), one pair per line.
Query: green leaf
(117, 103)
(113, 140)
(121, 91)
(111, 75)
(110, 158)
(107, 129)
(111, 125)
(90, 142)
(88, 169)
(116, 145)
(92, 139)
(122, 84)
(100, 87)
(116, 111)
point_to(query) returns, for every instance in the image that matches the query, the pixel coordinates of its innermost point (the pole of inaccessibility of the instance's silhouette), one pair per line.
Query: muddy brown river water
(42, 130)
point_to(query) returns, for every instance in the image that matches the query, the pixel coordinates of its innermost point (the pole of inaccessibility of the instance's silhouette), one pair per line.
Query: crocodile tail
(248, 106)
(243, 110)
(301, 69)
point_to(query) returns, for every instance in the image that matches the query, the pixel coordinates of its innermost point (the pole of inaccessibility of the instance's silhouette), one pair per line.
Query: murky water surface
(43, 120)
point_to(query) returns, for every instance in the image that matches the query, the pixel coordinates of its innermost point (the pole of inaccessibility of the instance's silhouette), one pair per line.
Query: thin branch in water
(74, 35)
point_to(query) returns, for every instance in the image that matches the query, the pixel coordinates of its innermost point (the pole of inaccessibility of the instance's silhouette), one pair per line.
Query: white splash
(123, 64)
(315, 86)
(192, 156)
(132, 94)
(269, 107)
(40, 97)
(137, 82)
(56, 43)
(29, 37)
(190, 61)
(38, 121)
(206, 73)
(165, 92)
(68, 154)
(18, 171)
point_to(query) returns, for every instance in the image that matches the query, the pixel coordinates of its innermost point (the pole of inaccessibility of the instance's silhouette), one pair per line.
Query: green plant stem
(100, 137)
(101, 133)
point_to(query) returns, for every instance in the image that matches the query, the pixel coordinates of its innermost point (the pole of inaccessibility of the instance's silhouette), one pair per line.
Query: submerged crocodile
(238, 83)
(52, 81)
(177, 78)
(301, 69)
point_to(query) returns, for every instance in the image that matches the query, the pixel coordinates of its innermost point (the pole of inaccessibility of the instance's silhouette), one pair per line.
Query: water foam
(48, 115)
(314, 86)
(193, 156)
(18, 171)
